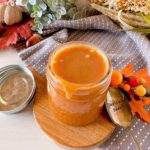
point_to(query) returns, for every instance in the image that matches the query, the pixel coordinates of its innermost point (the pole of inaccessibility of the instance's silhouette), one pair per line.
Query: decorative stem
(134, 140)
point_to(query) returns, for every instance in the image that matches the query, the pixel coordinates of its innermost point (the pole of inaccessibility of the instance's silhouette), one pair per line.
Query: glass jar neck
(81, 91)
(72, 89)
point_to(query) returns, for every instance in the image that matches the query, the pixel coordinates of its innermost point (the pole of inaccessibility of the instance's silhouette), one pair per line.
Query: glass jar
(85, 105)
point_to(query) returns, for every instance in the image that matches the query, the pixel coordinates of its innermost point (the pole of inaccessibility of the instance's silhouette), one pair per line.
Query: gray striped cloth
(121, 47)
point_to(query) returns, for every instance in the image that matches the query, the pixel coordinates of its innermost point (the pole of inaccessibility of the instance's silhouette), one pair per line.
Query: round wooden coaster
(70, 136)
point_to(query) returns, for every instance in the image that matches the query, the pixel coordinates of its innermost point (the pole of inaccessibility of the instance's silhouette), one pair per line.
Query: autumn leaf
(143, 73)
(146, 101)
(12, 34)
(128, 70)
(138, 107)
(2, 1)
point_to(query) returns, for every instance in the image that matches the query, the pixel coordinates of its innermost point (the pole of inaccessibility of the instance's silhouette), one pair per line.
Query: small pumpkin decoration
(10, 13)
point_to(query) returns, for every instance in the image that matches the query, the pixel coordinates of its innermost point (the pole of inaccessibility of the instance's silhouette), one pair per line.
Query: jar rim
(85, 85)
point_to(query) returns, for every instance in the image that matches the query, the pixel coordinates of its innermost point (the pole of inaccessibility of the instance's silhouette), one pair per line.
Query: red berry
(126, 87)
(133, 81)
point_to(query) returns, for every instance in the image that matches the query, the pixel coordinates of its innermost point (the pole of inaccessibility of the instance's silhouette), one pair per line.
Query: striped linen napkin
(121, 47)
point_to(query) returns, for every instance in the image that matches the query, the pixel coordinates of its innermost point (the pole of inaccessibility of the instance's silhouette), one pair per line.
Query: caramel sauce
(78, 65)
(76, 89)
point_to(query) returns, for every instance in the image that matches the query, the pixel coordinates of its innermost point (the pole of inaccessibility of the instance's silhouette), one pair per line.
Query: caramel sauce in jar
(78, 76)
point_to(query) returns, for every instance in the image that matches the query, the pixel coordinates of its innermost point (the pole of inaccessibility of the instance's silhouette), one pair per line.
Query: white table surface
(19, 131)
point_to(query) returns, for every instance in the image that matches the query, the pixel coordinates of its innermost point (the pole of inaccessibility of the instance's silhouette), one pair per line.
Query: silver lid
(17, 88)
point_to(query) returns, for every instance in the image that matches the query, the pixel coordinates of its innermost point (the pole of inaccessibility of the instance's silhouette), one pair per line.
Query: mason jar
(86, 103)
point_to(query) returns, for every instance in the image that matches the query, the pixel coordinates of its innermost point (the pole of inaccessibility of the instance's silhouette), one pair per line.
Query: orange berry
(126, 87)
(140, 90)
(142, 80)
(116, 78)
(34, 39)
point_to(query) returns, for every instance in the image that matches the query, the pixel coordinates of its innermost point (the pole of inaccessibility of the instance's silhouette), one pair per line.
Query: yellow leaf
(147, 19)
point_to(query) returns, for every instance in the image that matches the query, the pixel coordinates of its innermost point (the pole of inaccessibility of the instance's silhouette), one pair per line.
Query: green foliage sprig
(47, 11)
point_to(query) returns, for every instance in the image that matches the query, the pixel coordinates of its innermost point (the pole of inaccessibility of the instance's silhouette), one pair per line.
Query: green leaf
(72, 12)
(39, 14)
(141, 30)
(38, 27)
(36, 8)
(147, 19)
(32, 2)
(23, 2)
(62, 11)
(53, 17)
(43, 6)
(47, 11)
(36, 20)
(30, 7)
(50, 16)
(46, 20)
(33, 15)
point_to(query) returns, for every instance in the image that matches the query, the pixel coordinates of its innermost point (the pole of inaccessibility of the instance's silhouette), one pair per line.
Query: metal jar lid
(17, 88)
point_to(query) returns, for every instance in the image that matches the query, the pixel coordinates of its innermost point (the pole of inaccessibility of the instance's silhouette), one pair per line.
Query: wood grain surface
(68, 136)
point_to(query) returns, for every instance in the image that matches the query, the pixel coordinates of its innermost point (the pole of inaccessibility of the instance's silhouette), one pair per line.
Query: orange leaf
(128, 70)
(147, 83)
(142, 73)
(146, 100)
(12, 34)
(138, 107)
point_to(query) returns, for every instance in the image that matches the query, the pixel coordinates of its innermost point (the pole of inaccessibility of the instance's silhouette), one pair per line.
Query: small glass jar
(86, 103)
